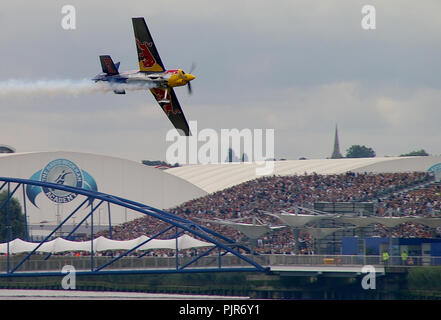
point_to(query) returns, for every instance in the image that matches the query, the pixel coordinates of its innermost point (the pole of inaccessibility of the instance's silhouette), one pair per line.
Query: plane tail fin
(108, 66)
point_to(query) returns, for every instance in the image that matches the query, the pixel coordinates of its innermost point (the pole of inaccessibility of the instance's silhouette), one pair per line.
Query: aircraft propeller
(193, 66)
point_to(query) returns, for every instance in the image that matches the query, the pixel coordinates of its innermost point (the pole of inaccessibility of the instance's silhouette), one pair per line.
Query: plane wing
(150, 61)
(170, 105)
(148, 56)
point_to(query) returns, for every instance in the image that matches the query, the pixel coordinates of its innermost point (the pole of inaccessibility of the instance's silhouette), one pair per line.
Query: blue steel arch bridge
(31, 265)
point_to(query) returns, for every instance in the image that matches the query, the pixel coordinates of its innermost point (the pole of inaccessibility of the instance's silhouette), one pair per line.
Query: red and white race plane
(151, 74)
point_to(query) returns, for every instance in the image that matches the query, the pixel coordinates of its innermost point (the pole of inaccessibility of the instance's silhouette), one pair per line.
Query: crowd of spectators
(421, 202)
(276, 194)
(418, 202)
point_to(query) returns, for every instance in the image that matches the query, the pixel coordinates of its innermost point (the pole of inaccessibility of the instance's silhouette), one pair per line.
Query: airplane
(151, 75)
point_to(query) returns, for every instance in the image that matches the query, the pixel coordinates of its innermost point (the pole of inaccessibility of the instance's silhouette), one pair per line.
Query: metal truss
(94, 200)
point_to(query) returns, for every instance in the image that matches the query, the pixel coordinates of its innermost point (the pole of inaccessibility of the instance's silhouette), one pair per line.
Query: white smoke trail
(20, 88)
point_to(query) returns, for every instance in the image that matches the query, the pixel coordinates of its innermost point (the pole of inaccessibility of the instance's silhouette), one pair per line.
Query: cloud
(299, 67)
(304, 119)
(420, 110)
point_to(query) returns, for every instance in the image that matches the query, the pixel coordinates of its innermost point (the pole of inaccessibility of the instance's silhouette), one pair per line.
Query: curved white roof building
(120, 177)
(215, 177)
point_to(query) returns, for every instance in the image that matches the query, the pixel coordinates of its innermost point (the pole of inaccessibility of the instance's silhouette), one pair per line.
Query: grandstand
(274, 199)
(231, 198)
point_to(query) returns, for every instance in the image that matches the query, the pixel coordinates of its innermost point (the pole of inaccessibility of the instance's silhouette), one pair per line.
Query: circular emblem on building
(435, 167)
(64, 172)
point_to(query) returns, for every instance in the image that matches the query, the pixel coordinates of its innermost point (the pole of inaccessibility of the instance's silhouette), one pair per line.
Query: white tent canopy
(389, 222)
(102, 244)
(357, 221)
(320, 233)
(299, 220)
(252, 231)
(430, 222)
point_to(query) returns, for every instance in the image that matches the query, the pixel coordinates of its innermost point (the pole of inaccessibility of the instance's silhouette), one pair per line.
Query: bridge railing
(56, 263)
(350, 260)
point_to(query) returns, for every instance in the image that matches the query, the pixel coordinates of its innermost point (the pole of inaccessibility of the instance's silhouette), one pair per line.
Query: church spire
(336, 153)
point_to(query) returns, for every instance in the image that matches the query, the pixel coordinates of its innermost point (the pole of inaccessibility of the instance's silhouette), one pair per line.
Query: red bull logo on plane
(167, 107)
(144, 53)
(109, 65)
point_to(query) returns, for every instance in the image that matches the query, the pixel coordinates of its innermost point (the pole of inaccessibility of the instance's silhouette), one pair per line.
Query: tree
(421, 152)
(16, 217)
(357, 151)
(231, 156)
(154, 163)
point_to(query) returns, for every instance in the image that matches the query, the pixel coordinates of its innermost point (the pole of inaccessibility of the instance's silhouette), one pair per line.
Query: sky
(298, 67)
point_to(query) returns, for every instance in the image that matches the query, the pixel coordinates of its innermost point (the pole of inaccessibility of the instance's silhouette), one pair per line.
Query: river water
(18, 294)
